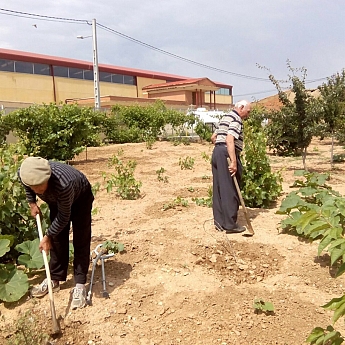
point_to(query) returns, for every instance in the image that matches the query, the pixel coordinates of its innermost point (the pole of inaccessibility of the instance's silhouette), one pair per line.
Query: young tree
(292, 127)
(332, 108)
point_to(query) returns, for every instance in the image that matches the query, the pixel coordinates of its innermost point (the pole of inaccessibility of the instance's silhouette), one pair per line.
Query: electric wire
(134, 40)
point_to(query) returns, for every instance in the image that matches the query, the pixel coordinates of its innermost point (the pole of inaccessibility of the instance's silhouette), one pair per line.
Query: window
(117, 78)
(223, 91)
(23, 67)
(41, 69)
(76, 73)
(60, 71)
(88, 75)
(105, 76)
(6, 65)
(128, 80)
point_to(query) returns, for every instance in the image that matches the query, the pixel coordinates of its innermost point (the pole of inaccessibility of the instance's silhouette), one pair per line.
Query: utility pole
(95, 66)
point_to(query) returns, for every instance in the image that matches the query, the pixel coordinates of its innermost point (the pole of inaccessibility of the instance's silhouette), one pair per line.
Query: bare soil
(179, 281)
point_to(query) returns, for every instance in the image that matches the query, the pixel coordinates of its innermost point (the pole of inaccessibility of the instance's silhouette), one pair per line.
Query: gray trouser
(225, 197)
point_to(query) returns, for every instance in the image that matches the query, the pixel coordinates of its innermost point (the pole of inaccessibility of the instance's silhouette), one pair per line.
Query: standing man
(228, 140)
(69, 197)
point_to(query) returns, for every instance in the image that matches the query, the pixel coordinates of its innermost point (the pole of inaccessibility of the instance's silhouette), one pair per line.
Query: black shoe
(236, 230)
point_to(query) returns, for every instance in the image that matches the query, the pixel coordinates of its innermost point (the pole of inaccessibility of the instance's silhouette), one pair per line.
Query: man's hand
(233, 168)
(45, 244)
(34, 209)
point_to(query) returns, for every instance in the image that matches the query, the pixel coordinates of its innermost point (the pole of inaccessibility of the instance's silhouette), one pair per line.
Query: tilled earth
(179, 281)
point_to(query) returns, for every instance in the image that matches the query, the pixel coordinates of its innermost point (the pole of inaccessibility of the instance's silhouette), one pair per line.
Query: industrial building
(28, 78)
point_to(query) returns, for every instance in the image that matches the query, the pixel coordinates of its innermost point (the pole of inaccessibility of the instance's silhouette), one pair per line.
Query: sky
(238, 43)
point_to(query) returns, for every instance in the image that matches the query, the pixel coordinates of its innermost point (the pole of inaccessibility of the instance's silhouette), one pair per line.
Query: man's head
(35, 173)
(243, 108)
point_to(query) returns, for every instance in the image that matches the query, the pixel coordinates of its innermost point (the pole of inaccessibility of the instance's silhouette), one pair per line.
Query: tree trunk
(332, 152)
(304, 157)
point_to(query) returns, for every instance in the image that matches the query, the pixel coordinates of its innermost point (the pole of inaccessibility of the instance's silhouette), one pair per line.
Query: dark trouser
(225, 197)
(59, 254)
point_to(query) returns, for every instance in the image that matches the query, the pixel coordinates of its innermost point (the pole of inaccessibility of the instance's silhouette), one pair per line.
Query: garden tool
(56, 326)
(250, 228)
(100, 254)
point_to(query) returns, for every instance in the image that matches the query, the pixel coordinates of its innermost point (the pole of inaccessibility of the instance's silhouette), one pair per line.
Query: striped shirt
(230, 124)
(64, 187)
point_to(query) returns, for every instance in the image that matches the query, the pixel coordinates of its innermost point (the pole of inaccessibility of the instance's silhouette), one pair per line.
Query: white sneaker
(79, 298)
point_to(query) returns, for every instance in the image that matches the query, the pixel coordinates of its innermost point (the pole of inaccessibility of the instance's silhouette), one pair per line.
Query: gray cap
(34, 171)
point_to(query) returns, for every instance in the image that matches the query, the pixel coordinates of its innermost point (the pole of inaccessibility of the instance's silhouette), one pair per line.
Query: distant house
(28, 78)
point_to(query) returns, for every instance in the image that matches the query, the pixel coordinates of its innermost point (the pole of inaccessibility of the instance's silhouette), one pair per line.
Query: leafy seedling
(260, 306)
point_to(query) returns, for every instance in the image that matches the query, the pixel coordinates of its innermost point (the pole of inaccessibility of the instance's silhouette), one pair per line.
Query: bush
(260, 187)
(54, 132)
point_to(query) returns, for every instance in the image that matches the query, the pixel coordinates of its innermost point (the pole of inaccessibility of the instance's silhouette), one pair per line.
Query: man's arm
(214, 137)
(230, 145)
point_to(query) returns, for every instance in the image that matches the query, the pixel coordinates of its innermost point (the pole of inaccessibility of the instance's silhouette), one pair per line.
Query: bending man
(69, 197)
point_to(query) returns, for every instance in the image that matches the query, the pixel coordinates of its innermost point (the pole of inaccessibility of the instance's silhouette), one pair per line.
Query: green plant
(205, 201)
(112, 247)
(260, 306)
(260, 186)
(191, 189)
(27, 331)
(18, 230)
(328, 336)
(176, 202)
(292, 127)
(206, 157)
(186, 163)
(339, 158)
(203, 130)
(316, 212)
(55, 132)
(127, 187)
(160, 176)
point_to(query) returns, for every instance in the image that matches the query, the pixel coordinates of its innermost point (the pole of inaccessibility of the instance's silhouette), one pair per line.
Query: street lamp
(95, 64)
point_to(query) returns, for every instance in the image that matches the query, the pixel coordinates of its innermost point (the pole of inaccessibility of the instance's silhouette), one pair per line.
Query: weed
(160, 176)
(261, 306)
(190, 189)
(205, 201)
(27, 331)
(205, 177)
(186, 163)
(177, 202)
(127, 186)
(206, 157)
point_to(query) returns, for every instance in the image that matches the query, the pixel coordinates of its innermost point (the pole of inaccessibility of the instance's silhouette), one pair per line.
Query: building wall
(21, 87)
(142, 82)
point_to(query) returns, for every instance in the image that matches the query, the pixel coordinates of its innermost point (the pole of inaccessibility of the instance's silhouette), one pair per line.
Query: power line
(84, 21)
(177, 56)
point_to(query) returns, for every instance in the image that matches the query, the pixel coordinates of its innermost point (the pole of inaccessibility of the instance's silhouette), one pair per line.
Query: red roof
(58, 61)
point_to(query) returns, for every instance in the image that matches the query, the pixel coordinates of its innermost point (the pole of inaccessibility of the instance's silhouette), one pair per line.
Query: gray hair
(241, 103)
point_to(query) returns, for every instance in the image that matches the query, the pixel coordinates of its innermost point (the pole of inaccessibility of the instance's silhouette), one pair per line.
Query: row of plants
(317, 213)
(62, 132)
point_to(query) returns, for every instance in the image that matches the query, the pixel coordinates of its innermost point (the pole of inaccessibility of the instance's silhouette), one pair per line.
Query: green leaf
(341, 270)
(340, 311)
(15, 286)
(334, 303)
(32, 257)
(4, 246)
(315, 334)
(336, 253)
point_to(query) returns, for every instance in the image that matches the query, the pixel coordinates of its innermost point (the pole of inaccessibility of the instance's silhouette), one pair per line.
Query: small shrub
(260, 306)
(186, 163)
(160, 176)
(127, 187)
(177, 202)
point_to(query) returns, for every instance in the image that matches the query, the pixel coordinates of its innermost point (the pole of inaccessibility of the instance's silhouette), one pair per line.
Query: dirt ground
(179, 281)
